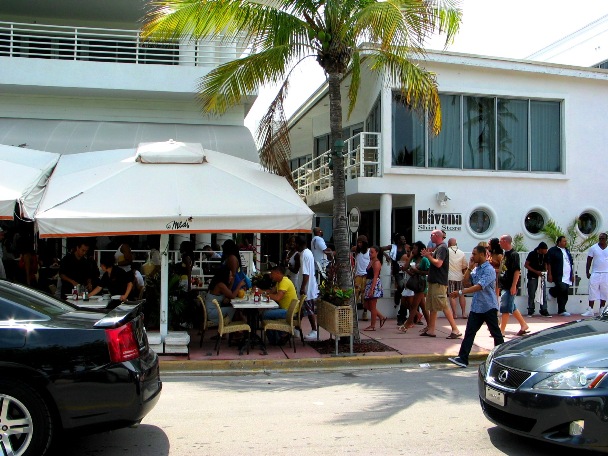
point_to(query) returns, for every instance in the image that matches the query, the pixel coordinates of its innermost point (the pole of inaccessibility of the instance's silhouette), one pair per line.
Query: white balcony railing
(361, 159)
(106, 45)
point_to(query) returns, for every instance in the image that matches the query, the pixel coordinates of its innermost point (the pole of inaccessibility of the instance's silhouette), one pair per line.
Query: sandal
(423, 330)
(454, 336)
(402, 329)
(382, 321)
(369, 328)
(428, 335)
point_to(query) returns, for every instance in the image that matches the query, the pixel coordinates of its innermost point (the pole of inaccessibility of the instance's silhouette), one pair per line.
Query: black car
(551, 385)
(64, 368)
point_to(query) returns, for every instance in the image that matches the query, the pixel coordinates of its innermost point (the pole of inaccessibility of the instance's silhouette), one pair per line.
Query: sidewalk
(409, 348)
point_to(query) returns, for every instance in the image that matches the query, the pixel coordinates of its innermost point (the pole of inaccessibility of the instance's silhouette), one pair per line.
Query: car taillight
(122, 344)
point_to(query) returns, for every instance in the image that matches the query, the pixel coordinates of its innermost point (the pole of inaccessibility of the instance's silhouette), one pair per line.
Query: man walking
(536, 264)
(561, 273)
(308, 284)
(438, 286)
(458, 265)
(598, 277)
(320, 251)
(484, 307)
(509, 284)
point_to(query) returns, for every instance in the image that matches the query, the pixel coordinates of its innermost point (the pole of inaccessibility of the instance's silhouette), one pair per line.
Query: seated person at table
(138, 281)
(115, 279)
(220, 288)
(283, 292)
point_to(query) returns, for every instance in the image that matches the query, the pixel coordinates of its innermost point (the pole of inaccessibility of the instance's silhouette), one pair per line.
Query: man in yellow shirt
(283, 292)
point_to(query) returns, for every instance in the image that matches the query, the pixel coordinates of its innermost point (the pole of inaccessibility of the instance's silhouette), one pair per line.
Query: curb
(252, 366)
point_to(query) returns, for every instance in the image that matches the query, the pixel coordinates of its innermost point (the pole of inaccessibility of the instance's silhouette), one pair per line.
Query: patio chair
(205, 323)
(227, 328)
(284, 325)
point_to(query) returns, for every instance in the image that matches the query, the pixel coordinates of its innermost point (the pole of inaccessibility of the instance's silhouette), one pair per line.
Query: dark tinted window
(28, 303)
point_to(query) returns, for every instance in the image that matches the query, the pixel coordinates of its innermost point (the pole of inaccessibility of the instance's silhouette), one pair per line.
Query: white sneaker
(296, 333)
(312, 335)
(588, 313)
(564, 314)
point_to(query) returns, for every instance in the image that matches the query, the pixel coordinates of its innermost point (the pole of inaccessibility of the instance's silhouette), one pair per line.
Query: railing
(361, 159)
(106, 45)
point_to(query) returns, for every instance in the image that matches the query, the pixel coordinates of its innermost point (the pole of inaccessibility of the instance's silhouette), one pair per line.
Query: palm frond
(355, 81)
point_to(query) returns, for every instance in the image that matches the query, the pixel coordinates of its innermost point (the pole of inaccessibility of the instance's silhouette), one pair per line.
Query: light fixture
(442, 198)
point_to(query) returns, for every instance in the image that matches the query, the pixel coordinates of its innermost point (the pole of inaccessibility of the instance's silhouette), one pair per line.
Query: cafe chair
(227, 328)
(205, 323)
(297, 321)
(286, 324)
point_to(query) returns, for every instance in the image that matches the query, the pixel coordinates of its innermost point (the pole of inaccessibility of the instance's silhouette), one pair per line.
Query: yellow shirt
(287, 286)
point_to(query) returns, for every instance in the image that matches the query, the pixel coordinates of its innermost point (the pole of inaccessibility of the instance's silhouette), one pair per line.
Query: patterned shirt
(484, 299)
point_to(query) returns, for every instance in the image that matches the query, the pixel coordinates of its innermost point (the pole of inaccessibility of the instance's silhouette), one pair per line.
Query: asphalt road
(409, 411)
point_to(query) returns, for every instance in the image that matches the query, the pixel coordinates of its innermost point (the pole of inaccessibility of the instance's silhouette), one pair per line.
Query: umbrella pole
(164, 285)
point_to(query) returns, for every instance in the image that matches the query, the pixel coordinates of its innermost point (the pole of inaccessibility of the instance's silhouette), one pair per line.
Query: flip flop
(382, 321)
(402, 329)
(369, 328)
(523, 332)
(428, 335)
(454, 336)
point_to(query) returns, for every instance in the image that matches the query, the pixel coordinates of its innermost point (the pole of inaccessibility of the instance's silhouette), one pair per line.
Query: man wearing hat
(536, 264)
(361, 251)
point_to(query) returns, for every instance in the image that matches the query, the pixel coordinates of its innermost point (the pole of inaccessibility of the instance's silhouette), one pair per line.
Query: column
(386, 209)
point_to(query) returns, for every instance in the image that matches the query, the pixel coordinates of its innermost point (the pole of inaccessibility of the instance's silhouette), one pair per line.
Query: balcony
(361, 159)
(107, 45)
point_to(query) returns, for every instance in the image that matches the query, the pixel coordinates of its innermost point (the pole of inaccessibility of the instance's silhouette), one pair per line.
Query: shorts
(437, 297)
(309, 307)
(598, 286)
(454, 285)
(507, 302)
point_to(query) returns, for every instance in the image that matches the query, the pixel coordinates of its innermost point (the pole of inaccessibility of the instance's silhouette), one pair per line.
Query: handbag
(416, 283)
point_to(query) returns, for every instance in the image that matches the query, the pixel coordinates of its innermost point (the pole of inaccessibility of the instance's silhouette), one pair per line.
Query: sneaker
(588, 313)
(312, 335)
(296, 333)
(530, 315)
(545, 314)
(458, 361)
(564, 314)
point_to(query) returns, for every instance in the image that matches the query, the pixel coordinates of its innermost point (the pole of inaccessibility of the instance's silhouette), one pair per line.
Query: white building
(522, 142)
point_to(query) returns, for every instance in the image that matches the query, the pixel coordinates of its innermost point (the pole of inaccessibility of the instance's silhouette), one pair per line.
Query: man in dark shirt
(437, 296)
(536, 264)
(118, 281)
(75, 269)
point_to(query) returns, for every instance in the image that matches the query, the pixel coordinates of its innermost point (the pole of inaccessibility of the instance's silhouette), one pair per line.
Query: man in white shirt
(458, 264)
(319, 249)
(308, 284)
(598, 277)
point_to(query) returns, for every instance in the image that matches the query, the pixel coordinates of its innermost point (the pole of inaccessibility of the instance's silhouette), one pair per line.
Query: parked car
(65, 368)
(551, 385)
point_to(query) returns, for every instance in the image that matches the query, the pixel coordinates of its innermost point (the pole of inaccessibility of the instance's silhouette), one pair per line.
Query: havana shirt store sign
(429, 220)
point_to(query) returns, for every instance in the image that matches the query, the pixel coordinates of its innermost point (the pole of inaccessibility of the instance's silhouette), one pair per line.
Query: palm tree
(342, 35)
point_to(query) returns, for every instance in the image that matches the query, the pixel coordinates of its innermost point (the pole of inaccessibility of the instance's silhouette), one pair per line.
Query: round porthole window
(480, 221)
(587, 223)
(534, 222)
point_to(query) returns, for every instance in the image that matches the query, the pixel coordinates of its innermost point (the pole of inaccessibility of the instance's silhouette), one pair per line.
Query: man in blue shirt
(484, 307)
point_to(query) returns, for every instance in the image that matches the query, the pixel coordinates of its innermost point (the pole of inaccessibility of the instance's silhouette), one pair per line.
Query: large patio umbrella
(23, 176)
(166, 188)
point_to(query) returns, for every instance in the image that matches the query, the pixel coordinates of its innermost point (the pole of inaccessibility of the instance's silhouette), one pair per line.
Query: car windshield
(35, 301)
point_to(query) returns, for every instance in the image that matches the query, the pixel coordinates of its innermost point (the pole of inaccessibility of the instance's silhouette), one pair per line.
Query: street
(415, 410)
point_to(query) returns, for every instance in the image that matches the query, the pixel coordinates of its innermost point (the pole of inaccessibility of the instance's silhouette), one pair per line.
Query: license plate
(495, 396)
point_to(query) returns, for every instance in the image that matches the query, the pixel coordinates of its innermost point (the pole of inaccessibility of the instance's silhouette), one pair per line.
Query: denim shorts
(507, 302)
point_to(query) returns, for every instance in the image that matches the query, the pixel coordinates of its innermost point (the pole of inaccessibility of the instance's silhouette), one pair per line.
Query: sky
(500, 28)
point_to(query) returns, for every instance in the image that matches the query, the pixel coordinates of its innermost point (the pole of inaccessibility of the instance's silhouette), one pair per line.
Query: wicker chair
(286, 324)
(227, 328)
(297, 321)
(205, 324)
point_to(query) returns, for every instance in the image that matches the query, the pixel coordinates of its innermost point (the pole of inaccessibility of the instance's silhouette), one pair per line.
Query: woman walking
(419, 265)
(373, 288)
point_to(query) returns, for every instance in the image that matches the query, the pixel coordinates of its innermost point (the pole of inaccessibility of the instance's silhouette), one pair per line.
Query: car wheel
(25, 421)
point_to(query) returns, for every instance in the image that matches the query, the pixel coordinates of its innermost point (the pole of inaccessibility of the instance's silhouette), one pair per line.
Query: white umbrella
(23, 176)
(166, 188)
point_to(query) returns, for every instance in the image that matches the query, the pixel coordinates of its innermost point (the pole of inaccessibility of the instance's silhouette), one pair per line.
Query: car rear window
(22, 303)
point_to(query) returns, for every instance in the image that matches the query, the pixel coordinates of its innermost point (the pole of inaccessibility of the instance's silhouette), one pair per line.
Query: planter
(337, 320)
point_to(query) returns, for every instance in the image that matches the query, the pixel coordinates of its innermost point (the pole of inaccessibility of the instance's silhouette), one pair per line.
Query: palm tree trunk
(340, 228)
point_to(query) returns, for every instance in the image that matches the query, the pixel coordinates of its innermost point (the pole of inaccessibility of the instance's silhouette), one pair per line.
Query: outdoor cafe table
(251, 309)
(94, 302)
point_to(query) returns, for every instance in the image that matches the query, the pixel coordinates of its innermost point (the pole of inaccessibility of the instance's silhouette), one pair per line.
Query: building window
(481, 133)
(534, 221)
(480, 221)
(372, 123)
(587, 223)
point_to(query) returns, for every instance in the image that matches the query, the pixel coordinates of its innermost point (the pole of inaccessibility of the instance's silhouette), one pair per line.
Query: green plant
(518, 243)
(335, 294)
(576, 241)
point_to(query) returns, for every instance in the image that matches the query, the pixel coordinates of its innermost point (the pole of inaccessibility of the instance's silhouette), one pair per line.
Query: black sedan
(551, 385)
(63, 368)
